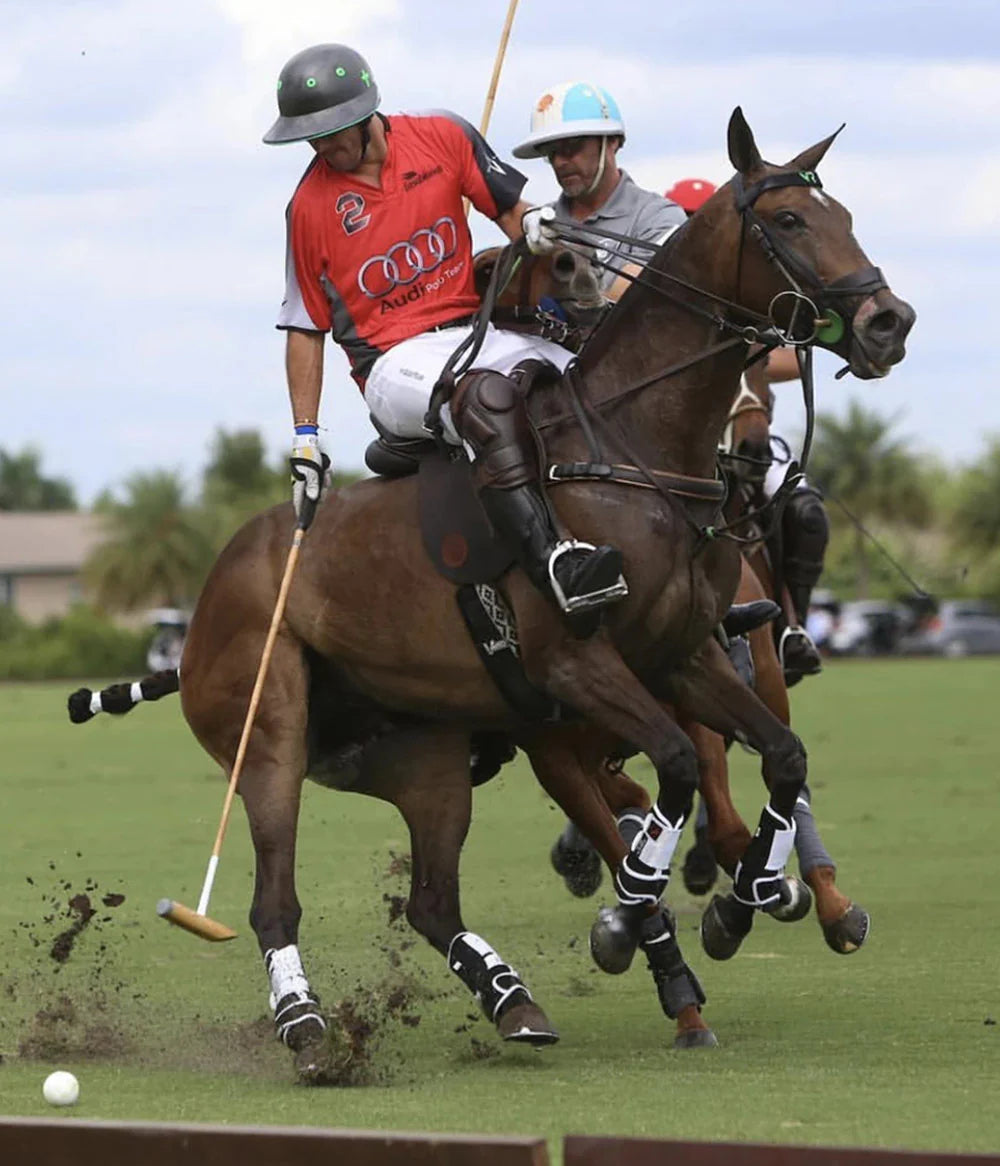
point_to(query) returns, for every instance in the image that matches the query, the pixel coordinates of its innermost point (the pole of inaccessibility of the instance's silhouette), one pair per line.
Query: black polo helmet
(322, 90)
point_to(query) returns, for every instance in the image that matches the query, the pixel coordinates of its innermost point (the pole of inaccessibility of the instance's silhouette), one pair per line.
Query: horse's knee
(677, 770)
(784, 766)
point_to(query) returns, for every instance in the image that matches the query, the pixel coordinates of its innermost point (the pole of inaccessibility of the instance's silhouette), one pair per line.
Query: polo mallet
(198, 922)
(495, 79)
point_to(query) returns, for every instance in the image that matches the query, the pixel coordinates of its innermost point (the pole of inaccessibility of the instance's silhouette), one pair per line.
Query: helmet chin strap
(596, 182)
(366, 136)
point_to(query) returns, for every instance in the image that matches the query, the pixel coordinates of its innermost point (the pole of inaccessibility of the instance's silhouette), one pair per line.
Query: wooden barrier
(583, 1151)
(71, 1142)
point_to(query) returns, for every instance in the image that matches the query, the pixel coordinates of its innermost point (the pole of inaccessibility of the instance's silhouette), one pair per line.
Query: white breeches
(399, 386)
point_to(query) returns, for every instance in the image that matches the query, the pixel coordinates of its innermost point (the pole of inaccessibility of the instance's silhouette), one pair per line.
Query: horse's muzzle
(881, 325)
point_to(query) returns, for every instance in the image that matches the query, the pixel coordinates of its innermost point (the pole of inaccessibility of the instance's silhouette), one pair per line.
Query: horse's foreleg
(709, 690)
(592, 677)
(727, 832)
(572, 774)
(845, 925)
(425, 774)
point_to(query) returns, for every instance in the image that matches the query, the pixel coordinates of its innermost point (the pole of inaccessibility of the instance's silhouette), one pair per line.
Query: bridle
(746, 402)
(828, 324)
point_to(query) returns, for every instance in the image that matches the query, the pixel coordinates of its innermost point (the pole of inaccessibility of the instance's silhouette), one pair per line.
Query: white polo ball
(61, 1088)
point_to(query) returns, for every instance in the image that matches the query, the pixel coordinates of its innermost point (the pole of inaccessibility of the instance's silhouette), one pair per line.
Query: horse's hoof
(312, 1065)
(613, 940)
(700, 869)
(848, 932)
(724, 925)
(580, 868)
(526, 1024)
(696, 1038)
(796, 899)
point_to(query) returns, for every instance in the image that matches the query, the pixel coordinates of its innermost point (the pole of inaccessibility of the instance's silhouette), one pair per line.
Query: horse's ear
(811, 158)
(743, 152)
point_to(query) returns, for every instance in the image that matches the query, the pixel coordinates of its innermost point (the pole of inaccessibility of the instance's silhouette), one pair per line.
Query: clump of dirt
(400, 865)
(82, 1014)
(483, 1050)
(397, 906)
(62, 945)
(64, 1031)
(353, 1049)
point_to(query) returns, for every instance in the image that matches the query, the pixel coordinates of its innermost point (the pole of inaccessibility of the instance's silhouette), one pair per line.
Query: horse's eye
(788, 220)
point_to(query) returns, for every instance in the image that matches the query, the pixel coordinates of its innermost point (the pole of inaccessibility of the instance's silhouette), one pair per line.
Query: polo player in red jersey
(380, 255)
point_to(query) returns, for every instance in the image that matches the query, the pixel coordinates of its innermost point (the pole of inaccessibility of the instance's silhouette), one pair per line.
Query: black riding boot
(579, 576)
(491, 417)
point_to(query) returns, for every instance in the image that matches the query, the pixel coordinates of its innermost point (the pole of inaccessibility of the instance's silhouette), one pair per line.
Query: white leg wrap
(284, 967)
(656, 843)
(784, 840)
(292, 1001)
(482, 970)
(761, 888)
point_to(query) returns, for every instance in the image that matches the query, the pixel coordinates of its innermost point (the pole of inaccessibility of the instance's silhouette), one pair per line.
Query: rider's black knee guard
(805, 532)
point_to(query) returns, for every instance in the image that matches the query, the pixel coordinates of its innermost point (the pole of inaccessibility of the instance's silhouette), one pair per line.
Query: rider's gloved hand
(539, 233)
(309, 465)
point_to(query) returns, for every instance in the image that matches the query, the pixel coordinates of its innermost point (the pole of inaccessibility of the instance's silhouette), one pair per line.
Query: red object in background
(690, 193)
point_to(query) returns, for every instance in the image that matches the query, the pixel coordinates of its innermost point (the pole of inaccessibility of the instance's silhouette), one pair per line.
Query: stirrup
(610, 593)
(799, 635)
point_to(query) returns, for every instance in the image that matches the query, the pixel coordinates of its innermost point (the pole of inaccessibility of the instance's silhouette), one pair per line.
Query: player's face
(574, 162)
(341, 151)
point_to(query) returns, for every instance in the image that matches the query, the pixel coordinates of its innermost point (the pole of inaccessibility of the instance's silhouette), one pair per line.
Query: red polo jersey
(377, 265)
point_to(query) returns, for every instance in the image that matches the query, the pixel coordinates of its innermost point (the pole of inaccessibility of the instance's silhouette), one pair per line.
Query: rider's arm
(510, 221)
(304, 369)
(621, 285)
(782, 365)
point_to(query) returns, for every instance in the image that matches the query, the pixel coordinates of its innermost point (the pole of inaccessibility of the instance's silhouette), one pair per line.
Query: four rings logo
(425, 250)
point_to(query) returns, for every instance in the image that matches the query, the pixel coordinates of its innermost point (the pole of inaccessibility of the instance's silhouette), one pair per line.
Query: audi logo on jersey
(425, 250)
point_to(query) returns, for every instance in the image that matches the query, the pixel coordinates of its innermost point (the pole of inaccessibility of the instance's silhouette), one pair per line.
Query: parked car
(960, 627)
(167, 644)
(867, 627)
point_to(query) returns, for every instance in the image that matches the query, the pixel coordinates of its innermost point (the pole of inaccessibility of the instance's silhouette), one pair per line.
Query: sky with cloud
(142, 219)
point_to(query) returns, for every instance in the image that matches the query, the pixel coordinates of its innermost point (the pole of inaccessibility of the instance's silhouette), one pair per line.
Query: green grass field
(893, 1046)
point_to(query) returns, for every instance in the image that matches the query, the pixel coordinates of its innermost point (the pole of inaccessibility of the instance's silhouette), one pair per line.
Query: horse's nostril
(884, 324)
(563, 264)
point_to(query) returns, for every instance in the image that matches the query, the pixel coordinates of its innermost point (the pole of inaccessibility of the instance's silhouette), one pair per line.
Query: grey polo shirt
(629, 211)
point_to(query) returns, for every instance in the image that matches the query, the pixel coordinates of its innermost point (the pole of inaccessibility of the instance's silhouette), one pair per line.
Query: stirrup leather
(615, 591)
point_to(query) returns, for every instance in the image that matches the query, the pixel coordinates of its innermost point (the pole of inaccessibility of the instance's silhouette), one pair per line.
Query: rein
(828, 329)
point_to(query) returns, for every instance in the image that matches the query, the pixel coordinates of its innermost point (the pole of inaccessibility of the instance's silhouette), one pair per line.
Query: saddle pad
(493, 631)
(457, 534)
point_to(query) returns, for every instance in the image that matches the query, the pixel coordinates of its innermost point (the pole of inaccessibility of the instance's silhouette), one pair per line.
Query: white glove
(309, 465)
(539, 234)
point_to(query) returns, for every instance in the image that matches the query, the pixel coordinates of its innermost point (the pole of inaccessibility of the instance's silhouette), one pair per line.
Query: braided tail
(121, 698)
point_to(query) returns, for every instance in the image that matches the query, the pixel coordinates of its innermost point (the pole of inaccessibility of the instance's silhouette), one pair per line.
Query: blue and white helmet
(574, 109)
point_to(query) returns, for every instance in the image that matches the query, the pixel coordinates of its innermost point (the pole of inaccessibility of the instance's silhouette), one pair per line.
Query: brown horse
(557, 296)
(373, 662)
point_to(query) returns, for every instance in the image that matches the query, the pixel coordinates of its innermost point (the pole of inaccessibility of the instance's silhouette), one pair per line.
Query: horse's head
(745, 448)
(797, 251)
(564, 284)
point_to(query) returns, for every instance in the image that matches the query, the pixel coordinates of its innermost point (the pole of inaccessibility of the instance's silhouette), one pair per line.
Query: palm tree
(156, 551)
(858, 462)
(23, 487)
(238, 470)
(977, 510)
